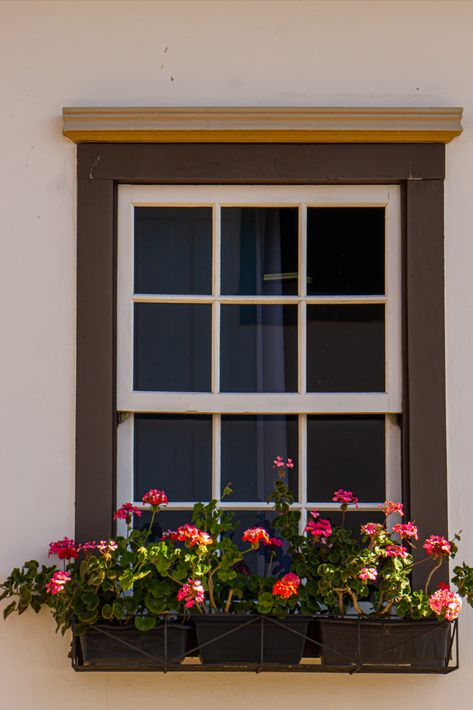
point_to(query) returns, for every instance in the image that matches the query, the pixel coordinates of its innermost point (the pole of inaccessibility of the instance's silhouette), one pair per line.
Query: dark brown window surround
(418, 168)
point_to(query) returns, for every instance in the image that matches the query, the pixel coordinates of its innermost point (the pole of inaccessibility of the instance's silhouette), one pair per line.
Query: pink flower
(280, 463)
(256, 535)
(126, 511)
(57, 582)
(437, 546)
(371, 529)
(65, 549)
(406, 530)
(106, 547)
(155, 497)
(275, 542)
(368, 573)
(320, 529)
(192, 592)
(345, 498)
(390, 506)
(445, 603)
(287, 586)
(191, 534)
(395, 551)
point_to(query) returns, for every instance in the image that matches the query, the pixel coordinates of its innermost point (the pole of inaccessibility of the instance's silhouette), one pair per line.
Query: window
(418, 170)
(255, 321)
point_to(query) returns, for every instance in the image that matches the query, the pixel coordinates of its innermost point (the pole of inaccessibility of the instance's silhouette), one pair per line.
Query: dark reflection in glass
(259, 250)
(257, 562)
(174, 453)
(173, 250)
(346, 452)
(345, 250)
(354, 519)
(345, 348)
(258, 348)
(172, 347)
(165, 520)
(261, 438)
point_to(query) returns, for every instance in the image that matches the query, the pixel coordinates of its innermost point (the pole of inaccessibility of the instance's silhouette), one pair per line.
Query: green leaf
(118, 609)
(9, 610)
(145, 623)
(90, 600)
(107, 611)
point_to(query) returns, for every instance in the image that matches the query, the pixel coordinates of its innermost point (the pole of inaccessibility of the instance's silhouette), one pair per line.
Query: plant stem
(211, 592)
(432, 571)
(386, 608)
(355, 602)
(229, 601)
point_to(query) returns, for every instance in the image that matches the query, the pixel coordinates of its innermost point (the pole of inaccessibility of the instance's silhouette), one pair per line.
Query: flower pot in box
(250, 638)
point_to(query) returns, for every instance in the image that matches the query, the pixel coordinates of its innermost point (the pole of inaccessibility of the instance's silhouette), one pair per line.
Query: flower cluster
(65, 549)
(319, 528)
(287, 586)
(395, 551)
(390, 506)
(345, 498)
(437, 546)
(126, 511)
(371, 529)
(256, 535)
(445, 603)
(155, 497)
(57, 582)
(368, 573)
(192, 592)
(191, 534)
(275, 542)
(280, 463)
(106, 547)
(406, 530)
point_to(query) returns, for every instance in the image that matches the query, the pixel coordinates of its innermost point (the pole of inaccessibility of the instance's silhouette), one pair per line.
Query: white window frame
(301, 403)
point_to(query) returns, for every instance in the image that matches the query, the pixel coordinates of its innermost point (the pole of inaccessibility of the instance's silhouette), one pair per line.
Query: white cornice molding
(262, 125)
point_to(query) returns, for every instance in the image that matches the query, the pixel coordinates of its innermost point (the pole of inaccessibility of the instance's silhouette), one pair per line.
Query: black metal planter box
(250, 638)
(111, 646)
(369, 642)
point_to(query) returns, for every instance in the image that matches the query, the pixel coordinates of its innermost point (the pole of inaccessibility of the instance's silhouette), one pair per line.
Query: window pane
(345, 348)
(173, 250)
(172, 347)
(345, 250)
(173, 452)
(258, 348)
(165, 520)
(259, 250)
(346, 452)
(261, 438)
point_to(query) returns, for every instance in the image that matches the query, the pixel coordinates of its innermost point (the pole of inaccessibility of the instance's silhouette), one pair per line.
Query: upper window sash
(217, 197)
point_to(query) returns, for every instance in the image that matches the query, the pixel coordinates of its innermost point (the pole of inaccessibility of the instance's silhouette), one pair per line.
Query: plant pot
(113, 646)
(375, 642)
(250, 638)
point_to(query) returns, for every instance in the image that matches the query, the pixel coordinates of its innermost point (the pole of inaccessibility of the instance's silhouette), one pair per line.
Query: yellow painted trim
(262, 125)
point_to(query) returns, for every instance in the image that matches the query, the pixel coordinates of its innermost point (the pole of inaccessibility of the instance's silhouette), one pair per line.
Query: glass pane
(172, 347)
(259, 250)
(173, 452)
(165, 520)
(354, 519)
(345, 348)
(261, 438)
(173, 250)
(258, 348)
(345, 250)
(346, 452)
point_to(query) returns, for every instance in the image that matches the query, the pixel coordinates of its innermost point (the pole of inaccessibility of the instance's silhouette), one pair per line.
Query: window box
(373, 642)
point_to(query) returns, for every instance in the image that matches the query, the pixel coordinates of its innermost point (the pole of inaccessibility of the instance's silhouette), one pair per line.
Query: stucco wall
(55, 54)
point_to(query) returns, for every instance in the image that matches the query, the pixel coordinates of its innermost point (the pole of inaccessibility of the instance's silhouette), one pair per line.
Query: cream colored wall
(55, 54)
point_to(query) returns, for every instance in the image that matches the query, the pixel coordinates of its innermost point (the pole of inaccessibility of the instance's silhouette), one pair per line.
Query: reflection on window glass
(174, 453)
(258, 348)
(259, 250)
(258, 562)
(346, 452)
(165, 520)
(173, 250)
(345, 250)
(172, 347)
(345, 348)
(261, 438)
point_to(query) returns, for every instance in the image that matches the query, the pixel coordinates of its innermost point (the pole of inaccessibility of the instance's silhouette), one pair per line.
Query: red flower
(256, 535)
(445, 603)
(275, 542)
(371, 529)
(389, 506)
(57, 582)
(287, 586)
(395, 551)
(320, 529)
(437, 546)
(191, 534)
(126, 511)
(345, 497)
(406, 530)
(155, 497)
(192, 592)
(280, 463)
(65, 549)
